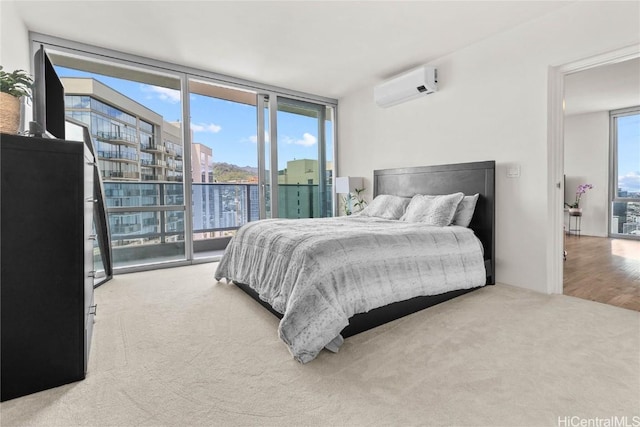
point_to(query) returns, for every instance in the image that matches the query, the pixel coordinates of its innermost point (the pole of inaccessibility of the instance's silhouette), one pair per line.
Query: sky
(228, 128)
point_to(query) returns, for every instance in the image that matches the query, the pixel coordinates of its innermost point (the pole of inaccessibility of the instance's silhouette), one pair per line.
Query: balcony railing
(107, 174)
(117, 155)
(147, 218)
(117, 138)
(153, 177)
(153, 163)
(125, 229)
(220, 207)
(154, 148)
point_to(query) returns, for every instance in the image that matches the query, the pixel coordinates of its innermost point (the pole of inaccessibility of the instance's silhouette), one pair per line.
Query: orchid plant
(582, 188)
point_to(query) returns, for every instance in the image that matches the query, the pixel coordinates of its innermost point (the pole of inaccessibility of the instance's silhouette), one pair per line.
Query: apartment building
(140, 159)
(133, 143)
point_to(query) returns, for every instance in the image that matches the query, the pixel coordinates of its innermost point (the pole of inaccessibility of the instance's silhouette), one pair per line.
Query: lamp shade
(347, 184)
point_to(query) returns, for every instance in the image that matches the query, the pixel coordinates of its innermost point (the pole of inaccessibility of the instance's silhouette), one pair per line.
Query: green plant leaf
(18, 83)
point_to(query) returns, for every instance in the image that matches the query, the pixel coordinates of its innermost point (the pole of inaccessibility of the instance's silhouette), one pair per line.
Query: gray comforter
(319, 272)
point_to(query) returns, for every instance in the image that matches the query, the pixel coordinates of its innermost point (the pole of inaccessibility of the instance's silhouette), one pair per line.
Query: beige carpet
(173, 347)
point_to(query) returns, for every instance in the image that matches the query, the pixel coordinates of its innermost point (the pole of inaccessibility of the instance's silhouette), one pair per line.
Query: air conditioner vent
(418, 82)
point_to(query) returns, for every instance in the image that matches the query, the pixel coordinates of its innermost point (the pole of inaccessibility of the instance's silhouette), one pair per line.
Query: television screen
(48, 97)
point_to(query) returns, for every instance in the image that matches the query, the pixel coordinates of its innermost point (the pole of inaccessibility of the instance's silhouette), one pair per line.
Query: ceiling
(604, 88)
(326, 48)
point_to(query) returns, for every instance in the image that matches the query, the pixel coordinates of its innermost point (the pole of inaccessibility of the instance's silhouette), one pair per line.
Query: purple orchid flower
(582, 188)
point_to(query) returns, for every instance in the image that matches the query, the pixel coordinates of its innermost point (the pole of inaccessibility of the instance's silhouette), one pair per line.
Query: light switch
(513, 172)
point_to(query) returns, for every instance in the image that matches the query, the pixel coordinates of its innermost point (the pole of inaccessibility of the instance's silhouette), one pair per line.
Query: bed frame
(469, 178)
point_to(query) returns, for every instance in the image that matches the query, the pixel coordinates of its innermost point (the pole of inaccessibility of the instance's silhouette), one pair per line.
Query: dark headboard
(469, 178)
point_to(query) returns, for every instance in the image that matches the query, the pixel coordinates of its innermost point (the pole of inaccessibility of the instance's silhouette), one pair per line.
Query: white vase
(575, 211)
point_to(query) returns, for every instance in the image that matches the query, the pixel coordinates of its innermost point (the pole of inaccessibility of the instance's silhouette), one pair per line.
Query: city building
(201, 163)
(299, 189)
(133, 143)
(140, 159)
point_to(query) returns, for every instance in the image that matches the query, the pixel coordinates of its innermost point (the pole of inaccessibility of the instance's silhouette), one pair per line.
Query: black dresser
(46, 261)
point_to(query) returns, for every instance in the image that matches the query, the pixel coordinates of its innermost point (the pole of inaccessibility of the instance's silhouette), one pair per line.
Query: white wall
(14, 39)
(492, 105)
(586, 161)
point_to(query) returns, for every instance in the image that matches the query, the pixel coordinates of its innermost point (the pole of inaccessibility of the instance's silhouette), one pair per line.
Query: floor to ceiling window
(625, 176)
(224, 162)
(186, 156)
(139, 150)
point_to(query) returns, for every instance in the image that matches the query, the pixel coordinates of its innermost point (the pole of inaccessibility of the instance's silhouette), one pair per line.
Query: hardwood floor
(604, 270)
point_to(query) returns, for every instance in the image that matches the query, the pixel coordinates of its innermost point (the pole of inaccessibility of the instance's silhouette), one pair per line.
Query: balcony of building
(117, 156)
(120, 176)
(153, 177)
(154, 163)
(153, 148)
(174, 166)
(117, 138)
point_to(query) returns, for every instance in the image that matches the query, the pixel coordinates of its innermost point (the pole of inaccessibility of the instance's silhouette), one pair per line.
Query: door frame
(555, 154)
(272, 102)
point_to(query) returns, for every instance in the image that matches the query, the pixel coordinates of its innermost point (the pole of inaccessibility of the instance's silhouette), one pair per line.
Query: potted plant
(358, 199)
(12, 86)
(574, 208)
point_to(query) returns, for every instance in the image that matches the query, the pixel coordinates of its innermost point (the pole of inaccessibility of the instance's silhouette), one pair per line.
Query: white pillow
(432, 210)
(386, 206)
(465, 210)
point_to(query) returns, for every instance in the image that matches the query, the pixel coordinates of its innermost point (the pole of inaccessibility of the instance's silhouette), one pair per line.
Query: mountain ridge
(228, 172)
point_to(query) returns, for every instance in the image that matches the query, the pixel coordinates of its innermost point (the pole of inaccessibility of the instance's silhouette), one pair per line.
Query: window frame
(613, 167)
(162, 71)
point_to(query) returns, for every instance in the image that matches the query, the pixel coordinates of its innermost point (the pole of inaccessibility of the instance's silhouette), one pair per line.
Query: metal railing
(107, 174)
(117, 155)
(117, 137)
(152, 147)
(145, 216)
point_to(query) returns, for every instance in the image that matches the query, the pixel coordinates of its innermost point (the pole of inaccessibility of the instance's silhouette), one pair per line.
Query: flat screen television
(48, 98)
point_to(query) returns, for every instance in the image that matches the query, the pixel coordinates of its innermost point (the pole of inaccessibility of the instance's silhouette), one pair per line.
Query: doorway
(255, 156)
(556, 160)
(304, 160)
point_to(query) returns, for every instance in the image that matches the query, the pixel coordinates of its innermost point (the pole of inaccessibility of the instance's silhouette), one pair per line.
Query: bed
(331, 278)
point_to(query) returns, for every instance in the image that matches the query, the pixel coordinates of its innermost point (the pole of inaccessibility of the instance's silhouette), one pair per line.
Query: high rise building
(140, 160)
(133, 143)
(201, 163)
(298, 195)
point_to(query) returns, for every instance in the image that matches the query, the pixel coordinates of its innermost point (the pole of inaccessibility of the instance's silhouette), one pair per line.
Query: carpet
(173, 347)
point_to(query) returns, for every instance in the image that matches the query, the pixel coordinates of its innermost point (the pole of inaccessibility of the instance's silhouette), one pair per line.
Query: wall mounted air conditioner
(418, 82)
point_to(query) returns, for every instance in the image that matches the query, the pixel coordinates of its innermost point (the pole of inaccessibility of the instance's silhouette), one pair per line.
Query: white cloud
(205, 127)
(630, 181)
(307, 140)
(254, 138)
(163, 93)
